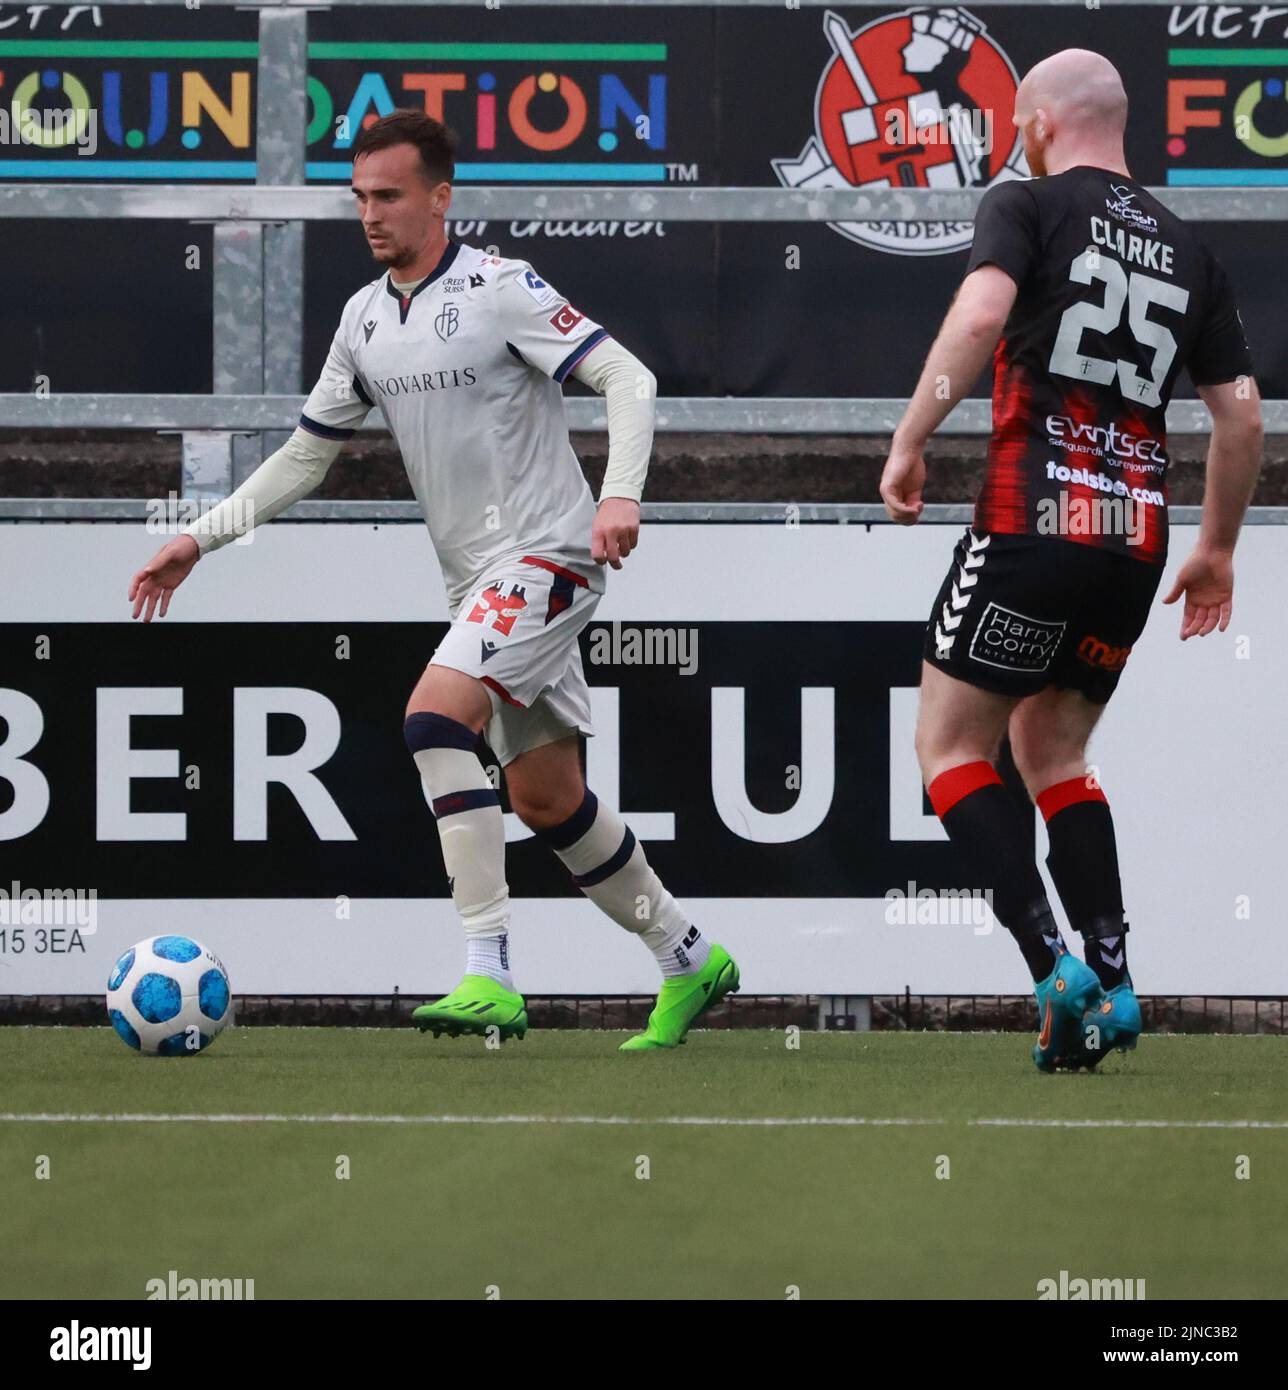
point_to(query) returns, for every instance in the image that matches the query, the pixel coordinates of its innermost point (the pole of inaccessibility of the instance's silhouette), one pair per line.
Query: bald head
(1072, 109)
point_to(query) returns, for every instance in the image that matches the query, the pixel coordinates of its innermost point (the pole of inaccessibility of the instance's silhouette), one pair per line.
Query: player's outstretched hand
(162, 575)
(1207, 581)
(616, 531)
(902, 481)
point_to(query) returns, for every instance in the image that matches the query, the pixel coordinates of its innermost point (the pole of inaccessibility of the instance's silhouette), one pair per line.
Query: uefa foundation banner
(649, 97)
(237, 771)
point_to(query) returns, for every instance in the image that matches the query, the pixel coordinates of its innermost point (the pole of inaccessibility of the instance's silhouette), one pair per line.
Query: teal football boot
(1112, 1022)
(1063, 998)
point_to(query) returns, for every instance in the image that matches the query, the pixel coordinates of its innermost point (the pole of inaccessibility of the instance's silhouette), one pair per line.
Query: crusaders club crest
(920, 99)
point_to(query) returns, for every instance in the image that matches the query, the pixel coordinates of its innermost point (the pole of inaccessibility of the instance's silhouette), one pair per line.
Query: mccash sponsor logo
(1122, 206)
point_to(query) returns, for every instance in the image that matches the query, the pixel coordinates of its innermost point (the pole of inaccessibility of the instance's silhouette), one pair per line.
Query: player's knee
(423, 729)
(1027, 758)
(450, 694)
(543, 807)
(1044, 761)
(939, 752)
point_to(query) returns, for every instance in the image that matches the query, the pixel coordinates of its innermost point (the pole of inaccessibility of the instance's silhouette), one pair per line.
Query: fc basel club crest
(920, 99)
(446, 322)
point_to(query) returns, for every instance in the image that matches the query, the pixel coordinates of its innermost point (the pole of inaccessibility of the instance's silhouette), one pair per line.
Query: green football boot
(475, 1005)
(682, 999)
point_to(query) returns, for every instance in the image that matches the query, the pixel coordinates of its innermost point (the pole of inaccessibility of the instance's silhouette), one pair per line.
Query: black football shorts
(1016, 614)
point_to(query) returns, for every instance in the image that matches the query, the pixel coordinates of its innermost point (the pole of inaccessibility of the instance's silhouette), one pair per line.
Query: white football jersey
(467, 370)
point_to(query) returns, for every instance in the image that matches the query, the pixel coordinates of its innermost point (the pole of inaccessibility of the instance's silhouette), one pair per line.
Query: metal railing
(210, 427)
(140, 509)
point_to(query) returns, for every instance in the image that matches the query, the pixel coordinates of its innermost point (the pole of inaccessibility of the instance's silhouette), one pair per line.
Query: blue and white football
(169, 997)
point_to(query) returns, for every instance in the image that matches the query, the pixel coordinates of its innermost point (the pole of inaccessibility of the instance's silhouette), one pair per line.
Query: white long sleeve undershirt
(285, 476)
(629, 390)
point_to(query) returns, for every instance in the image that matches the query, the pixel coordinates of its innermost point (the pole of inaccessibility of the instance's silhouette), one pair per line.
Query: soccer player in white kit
(465, 353)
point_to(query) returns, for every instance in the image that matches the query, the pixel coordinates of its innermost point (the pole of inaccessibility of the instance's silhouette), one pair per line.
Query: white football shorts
(517, 633)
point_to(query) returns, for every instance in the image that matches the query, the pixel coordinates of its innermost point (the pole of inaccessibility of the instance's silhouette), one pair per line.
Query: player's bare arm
(284, 477)
(616, 531)
(961, 351)
(1206, 579)
(161, 576)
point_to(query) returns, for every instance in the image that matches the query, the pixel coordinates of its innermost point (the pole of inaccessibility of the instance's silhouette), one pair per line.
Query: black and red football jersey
(1116, 295)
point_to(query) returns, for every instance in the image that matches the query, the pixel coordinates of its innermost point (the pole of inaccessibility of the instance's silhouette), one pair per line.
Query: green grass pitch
(541, 1206)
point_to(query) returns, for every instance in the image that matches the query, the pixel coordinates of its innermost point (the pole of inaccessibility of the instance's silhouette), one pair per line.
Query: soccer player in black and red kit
(1090, 296)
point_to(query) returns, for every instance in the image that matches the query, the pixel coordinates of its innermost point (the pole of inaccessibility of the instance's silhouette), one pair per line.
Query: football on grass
(169, 997)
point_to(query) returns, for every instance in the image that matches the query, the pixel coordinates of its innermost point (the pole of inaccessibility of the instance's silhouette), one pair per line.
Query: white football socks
(609, 865)
(684, 954)
(490, 956)
(599, 850)
(471, 831)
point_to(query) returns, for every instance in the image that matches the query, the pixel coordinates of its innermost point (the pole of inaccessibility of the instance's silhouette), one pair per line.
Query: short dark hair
(435, 141)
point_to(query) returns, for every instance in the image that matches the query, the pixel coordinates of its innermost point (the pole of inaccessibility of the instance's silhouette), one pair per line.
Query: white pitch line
(702, 1121)
(1134, 1124)
(705, 1120)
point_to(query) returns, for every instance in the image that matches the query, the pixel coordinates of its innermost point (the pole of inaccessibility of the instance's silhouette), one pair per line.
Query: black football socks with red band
(985, 820)
(1083, 860)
